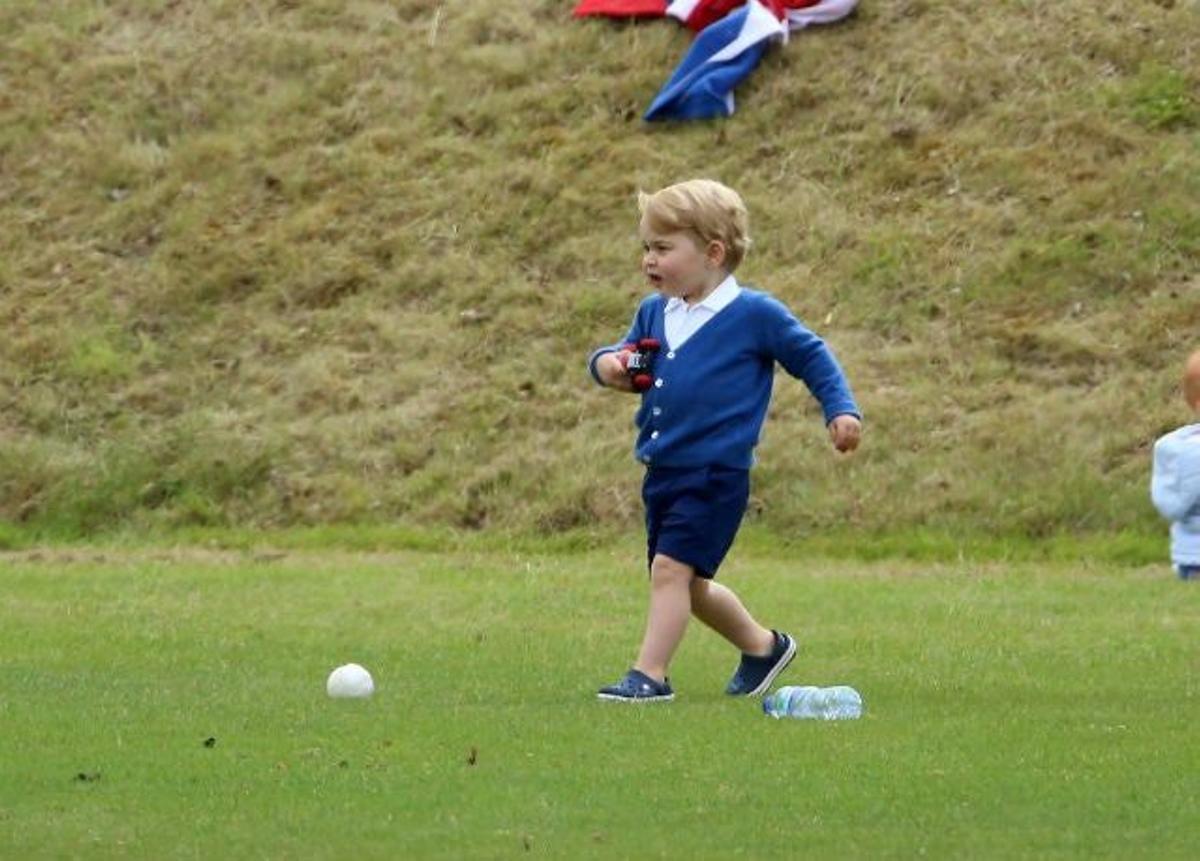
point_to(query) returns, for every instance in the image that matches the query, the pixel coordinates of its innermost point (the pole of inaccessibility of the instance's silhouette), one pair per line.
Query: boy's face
(676, 264)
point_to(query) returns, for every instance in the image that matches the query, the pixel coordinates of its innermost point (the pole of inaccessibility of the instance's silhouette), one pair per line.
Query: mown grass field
(170, 704)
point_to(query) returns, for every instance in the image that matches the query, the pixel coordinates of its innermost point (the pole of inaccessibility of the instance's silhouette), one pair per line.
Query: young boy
(1175, 482)
(704, 395)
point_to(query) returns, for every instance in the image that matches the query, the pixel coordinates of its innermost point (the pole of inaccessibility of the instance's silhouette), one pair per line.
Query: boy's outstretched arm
(806, 357)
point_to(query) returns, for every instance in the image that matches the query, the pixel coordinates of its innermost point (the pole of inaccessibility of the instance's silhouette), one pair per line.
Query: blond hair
(704, 208)
(1191, 380)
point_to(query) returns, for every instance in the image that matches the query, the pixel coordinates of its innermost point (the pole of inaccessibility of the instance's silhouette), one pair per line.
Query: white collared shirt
(681, 321)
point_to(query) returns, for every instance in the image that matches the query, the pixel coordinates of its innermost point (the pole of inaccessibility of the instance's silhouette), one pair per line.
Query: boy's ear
(715, 252)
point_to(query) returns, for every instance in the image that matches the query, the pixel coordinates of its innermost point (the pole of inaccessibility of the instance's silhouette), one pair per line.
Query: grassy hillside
(317, 261)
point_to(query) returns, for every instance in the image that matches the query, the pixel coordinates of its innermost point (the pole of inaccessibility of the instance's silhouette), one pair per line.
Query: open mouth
(654, 279)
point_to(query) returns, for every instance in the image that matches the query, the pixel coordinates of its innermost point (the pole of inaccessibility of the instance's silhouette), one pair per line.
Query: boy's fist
(844, 432)
(611, 368)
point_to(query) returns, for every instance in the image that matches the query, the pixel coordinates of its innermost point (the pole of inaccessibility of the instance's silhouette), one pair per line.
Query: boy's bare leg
(722, 610)
(670, 609)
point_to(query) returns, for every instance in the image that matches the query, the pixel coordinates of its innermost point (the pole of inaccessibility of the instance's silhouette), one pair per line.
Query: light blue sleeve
(1175, 481)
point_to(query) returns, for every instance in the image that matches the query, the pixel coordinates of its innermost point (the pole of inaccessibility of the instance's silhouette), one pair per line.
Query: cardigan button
(658, 383)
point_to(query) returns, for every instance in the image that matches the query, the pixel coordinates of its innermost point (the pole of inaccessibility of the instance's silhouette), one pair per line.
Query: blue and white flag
(734, 35)
(721, 56)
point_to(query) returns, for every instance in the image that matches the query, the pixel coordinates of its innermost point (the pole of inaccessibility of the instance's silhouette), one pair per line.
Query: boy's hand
(611, 368)
(844, 432)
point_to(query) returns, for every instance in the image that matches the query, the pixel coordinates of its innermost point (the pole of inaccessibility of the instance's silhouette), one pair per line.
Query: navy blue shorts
(693, 514)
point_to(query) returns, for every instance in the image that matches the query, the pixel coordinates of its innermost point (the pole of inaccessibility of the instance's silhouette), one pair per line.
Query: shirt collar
(725, 293)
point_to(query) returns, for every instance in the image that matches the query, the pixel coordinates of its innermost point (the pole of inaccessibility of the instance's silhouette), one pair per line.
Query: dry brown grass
(316, 261)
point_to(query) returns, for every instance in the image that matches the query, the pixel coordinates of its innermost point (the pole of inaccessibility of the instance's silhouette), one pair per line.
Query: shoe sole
(779, 667)
(613, 698)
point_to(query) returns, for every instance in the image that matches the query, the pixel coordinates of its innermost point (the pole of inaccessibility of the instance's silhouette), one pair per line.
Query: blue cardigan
(710, 396)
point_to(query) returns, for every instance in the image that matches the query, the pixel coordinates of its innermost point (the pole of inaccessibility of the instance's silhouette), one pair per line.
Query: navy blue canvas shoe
(637, 687)
(754, 675)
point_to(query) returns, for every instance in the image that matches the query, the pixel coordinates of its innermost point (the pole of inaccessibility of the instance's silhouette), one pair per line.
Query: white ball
(350, 681)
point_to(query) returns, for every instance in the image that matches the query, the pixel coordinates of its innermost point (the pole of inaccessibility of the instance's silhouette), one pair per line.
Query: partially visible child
(1175, 483)
(710, 347)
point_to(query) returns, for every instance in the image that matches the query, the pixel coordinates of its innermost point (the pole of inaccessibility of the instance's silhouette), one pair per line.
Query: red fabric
(707, 12)
(710, 11)
(622, 8)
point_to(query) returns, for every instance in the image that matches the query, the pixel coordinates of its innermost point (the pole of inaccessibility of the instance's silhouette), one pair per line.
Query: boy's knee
(667, 571)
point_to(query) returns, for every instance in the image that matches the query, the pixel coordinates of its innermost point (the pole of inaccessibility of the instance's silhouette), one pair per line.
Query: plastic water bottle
(836, 703)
